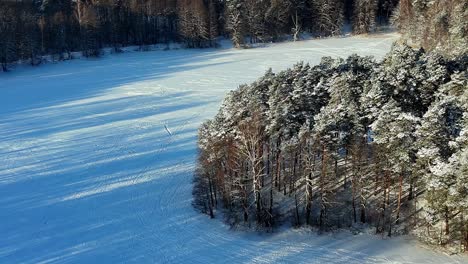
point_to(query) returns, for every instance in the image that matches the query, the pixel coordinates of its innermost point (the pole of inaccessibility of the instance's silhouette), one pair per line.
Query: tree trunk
(390, 211)
(284, 178)
(309, 198)
(322, 188)
(411, 191)
(210, 206)
(363, 213)
(353, 192)
(293, 177)
(354, 201)
(298, 221)
(400, 190)
(278, 165)
(311, 154)
(447, 221)
(215, 196)
(381, 219)
(210, 183)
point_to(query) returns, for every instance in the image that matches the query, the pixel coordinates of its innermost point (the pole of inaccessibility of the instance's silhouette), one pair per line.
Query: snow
(97, 158)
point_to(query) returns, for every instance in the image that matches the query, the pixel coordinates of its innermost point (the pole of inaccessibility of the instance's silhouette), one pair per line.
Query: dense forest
(434, 24)
(352, 142)
(345, 143)
(32, 28)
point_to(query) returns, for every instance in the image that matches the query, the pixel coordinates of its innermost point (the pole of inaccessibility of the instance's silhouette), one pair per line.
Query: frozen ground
(90, 173)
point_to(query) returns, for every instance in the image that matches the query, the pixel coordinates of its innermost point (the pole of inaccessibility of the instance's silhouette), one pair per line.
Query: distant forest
(31, 28)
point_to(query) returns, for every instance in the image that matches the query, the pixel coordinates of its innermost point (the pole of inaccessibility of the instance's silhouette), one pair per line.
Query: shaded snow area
(97, 159)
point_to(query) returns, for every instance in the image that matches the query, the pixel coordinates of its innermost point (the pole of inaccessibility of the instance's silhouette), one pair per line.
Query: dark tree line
(32, 28)
(345, 143)
(29, 29)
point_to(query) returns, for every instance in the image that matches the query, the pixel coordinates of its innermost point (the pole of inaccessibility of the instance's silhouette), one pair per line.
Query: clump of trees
(32, 28)
(345, 143)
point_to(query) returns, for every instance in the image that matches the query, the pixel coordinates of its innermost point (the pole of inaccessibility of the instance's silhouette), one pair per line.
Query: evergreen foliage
(434, 24)
(347, 142)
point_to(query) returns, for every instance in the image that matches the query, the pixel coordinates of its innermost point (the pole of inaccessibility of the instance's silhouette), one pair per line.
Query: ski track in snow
(97, 158)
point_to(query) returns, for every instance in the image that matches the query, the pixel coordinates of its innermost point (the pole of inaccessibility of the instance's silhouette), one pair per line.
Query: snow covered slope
(97, 159)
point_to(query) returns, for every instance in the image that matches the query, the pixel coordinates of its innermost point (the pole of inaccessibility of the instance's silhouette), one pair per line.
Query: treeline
(254, 21)
(345, 143)
(32, 28)
(440, 24)
(29, 28)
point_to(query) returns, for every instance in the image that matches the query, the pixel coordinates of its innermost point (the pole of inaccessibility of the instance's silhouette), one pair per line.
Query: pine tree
(28, 44)
(7, 34)
(328, 17)
(278, 17)
(235, 22)
(213, 23)
(365, 16)
(249, 143)
(459, 28)
(254, 13)
(193, 28)
(458, 194)
(394, 132)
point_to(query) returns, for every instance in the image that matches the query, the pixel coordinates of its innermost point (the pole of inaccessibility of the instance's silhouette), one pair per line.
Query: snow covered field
(97, 159)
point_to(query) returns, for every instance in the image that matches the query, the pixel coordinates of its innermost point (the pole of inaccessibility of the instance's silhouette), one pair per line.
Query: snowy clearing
(97, 160)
